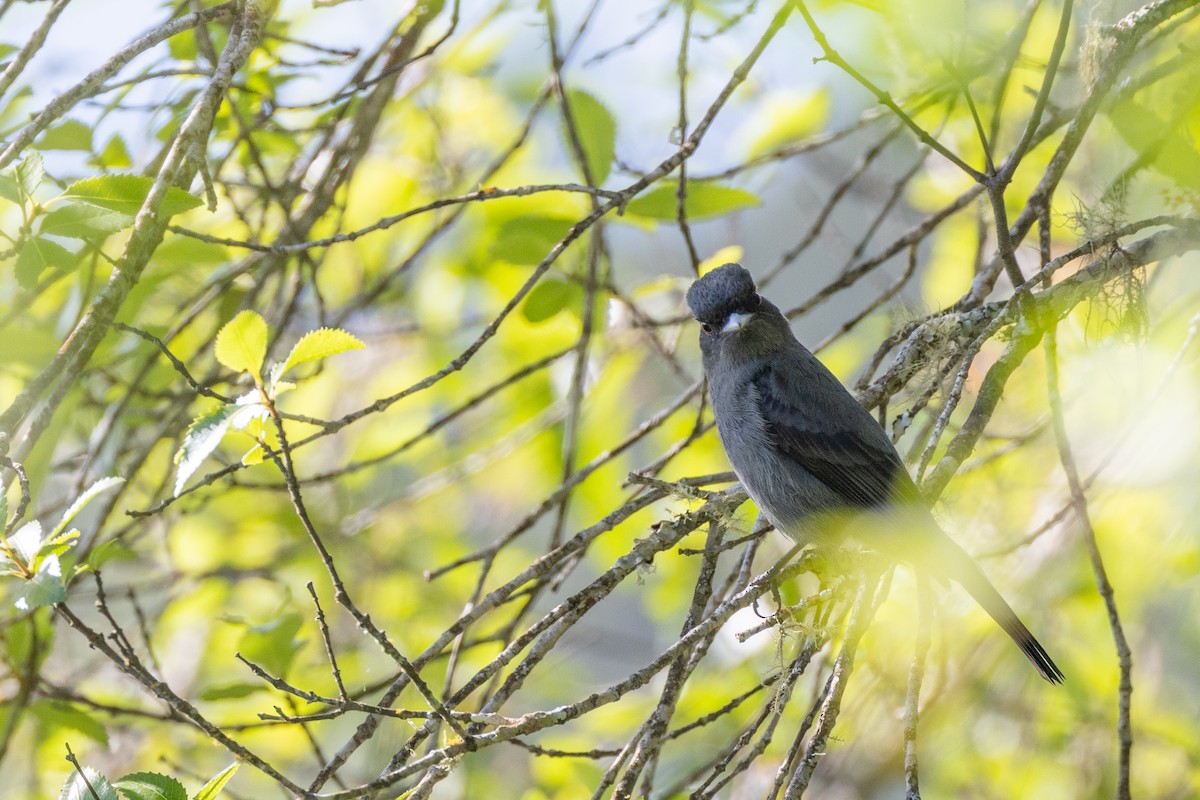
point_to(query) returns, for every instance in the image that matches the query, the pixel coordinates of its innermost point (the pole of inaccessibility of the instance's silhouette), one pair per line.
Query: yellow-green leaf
(70, 134)
(321, 343)
(597, 133)
(37, 255)
(788, 117)
(127, 193)
(704, 199)
(242, 343)
(210, 790)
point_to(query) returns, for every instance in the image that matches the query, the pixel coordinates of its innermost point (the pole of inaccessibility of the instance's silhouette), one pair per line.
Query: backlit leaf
(37, 255)
(84, 221)
(704, 200)
(210, 790)
(549, 297)
(127, 193)
(597, 132)
(70, 134)
(527, 240)
(242, 343)
(319, 344)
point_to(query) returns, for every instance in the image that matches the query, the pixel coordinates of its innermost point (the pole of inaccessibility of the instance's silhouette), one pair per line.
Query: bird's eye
(704, 326)
(757, 300)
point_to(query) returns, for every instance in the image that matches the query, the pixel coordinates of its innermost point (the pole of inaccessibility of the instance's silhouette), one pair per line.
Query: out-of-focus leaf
(65, 715)
(231, 691)
(1172, 152)
(180, 250)
(527, 240)
(37, 255)
(725, 255)
(150, 786)
(114, 155)
(127, 193)
(319, 344)
(597, 132)
(242, 343)
(788, 117)
(8, 187)
(210, 790)
(84, 221)
(69, 134)
(203, 436)
(112, 550)
(704, 199)
(77, 787)
(272, 646)
(549, 297)
(33, 639)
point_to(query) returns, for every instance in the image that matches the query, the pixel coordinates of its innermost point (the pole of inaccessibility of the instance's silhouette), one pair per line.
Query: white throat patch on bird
(735, 322)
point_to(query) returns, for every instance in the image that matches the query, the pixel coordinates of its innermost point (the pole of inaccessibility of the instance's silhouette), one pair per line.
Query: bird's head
(734, 318)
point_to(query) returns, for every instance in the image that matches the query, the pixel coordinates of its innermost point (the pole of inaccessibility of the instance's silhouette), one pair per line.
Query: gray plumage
(810, 455)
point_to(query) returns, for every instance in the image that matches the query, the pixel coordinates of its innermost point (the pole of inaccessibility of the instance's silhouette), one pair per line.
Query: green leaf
(1169, 151)
(57, 545)
(273, 646)
(254, 455)
(231, 691)
(45, 589)
(788, 117)
(28, 645)
(549, 297)
(202, 437)
(38, 254)
(70, 134)
(112, 550)
(597, 132)
(150, 786)
(65, 715)
(210, 790)
(77, 787)
(9, 189)
(185, 251)
(242, 343)
(127, 193)
(29, 173)
(527, 240)
(89, 494)
(704, 199)
(318, 344)
(115, 154)
(84, 221)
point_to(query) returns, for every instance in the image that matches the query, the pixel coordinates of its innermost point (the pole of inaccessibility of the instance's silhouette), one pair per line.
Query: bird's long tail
(961, 568)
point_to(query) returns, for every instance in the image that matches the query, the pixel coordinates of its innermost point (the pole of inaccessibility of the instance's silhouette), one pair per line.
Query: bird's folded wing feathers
(854, 460)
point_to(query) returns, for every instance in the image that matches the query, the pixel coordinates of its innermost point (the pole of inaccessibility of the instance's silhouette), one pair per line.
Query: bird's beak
(736, 322)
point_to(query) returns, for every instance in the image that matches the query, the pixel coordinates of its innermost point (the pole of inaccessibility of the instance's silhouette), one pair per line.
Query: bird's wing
(855, 460)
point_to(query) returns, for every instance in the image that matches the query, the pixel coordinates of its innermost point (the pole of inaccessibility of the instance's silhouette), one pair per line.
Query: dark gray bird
(811, 456)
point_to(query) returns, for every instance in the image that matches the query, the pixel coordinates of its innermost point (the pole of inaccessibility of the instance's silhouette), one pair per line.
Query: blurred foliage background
(504, 202)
